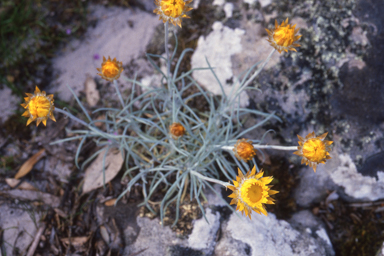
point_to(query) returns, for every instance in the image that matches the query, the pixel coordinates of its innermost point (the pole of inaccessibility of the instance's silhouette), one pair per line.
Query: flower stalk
(225, 184)
(258, 146)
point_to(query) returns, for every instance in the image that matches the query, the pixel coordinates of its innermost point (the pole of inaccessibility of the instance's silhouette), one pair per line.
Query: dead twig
(36, 241)
(137, 253)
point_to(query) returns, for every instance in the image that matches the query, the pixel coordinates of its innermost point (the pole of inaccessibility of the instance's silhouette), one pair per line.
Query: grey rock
(111, 37)
(152, 239)
(19, 225)
(232, 235)
(305, 221)
(9, 104)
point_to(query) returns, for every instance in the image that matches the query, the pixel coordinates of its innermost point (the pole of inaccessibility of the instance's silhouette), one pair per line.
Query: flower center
(39, 106)
(314, 150)
(110, 69)
(251, 192)
(284, 36)
(172, 8)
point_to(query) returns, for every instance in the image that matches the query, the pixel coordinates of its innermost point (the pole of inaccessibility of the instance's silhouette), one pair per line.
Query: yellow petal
(272, 192)
(29, 121)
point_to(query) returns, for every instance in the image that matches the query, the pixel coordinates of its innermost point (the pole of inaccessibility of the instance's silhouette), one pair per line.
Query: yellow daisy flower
(110, 69)
(283, 37)
(38, 107)
(176, 130)
(172, 10)
(244, 150)
(314, 150)
(251, 192)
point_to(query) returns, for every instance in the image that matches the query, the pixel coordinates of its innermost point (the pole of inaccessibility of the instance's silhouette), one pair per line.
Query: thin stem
(118, 93)
(259, 69)
(71, 116)
(288, 148)
(225, 184)
(167, 53)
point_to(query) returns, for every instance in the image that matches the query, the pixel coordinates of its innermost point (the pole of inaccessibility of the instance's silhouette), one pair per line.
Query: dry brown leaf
(24, 185)
(28, 165)
(48, 199)
(94, 173)
(110, 202)
(91, 92)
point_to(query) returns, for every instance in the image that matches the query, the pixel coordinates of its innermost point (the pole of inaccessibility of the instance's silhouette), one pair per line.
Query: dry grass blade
(28, 165)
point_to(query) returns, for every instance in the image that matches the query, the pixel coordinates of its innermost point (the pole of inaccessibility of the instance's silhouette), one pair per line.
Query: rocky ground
(334, 84)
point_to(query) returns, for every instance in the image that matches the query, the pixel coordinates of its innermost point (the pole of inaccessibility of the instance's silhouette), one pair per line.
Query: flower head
(172, 10)
(251, 192)
(38, 107)
(244, 150)
(110, 69)
(283, 37)
(314, 150)
(176, 130)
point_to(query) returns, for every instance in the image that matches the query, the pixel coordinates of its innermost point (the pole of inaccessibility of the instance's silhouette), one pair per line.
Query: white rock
(204, 234)
(217, 48)
(265, 3)
(218, 2)
(250, 1)
(196, 4)
(380, 252)
(356, 185)
(228, 9)
(120, 33)
(323, 235)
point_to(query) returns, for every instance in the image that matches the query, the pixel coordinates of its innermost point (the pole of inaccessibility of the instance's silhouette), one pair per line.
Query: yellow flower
(244, 150)
(172, 10)
(251, 192)
(38, 107)
(283, 37)
(176, 130)
(314, 150)
(110, 69)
